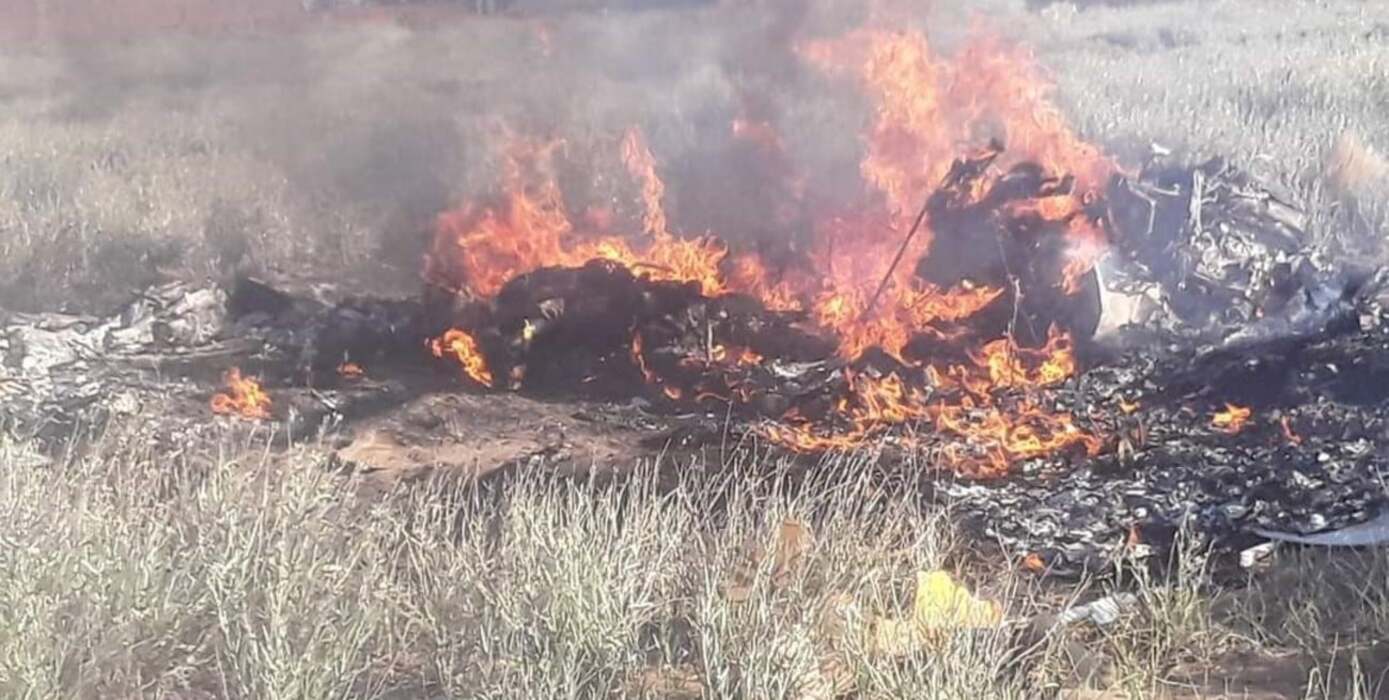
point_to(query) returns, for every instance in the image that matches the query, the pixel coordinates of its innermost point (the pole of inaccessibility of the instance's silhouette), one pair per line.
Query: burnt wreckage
(1229, 375)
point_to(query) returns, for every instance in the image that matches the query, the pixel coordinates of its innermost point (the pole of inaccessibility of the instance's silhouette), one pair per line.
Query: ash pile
(189, 374)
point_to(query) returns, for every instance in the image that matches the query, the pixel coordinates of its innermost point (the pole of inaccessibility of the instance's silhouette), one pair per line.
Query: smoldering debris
(1304, 455)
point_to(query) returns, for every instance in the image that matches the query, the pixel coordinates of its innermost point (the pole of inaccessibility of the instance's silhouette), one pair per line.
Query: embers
(1187, 454)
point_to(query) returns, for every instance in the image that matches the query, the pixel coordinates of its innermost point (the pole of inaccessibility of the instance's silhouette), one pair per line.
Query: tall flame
(481, 248)
(642, 166)
(926, 109)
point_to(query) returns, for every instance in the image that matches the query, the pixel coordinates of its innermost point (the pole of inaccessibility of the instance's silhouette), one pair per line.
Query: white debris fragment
(1103, 612)
(1256, 556)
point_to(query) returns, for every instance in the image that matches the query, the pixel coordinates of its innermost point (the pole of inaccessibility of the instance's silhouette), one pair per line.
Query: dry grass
(272, 579)
(1273, 91)
(123, 575)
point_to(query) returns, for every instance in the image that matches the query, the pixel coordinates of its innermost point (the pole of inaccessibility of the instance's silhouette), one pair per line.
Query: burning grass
(127, 573)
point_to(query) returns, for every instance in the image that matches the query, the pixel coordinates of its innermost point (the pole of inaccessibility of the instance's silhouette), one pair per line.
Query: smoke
(356, 134)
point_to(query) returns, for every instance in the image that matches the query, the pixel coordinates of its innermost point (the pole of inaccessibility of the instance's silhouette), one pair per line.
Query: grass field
(127, 576)
(264, 575)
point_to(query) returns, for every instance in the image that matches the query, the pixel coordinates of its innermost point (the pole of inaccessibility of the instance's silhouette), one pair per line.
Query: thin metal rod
(902, 250)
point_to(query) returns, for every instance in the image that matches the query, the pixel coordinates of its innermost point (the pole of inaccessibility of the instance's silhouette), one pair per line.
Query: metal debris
(1102, 612)
(1258, 557)
(1366, 534)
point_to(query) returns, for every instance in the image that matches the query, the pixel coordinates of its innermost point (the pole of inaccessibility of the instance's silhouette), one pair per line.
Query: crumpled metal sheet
(165, 318)
(1208, 252)
(60, 370)
(170, 316)
(1103, 612)
(1367, 534)
(35, 350)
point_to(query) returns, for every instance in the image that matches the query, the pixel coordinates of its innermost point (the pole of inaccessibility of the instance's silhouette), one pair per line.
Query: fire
(1087, 247)
(639, 359)
(1232, 419)
(461, 346)
(761, 132)
(642, 166)
(735, 355)
(925, 107)
(1009, 365)
(351, 370)
(1001, 432)
(479, 249)
(244, 397)
(747, 272)
(1033, 562)
(928, 106)
(545, 39)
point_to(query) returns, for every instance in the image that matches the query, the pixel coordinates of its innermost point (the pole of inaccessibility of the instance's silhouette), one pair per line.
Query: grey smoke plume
(336, 143)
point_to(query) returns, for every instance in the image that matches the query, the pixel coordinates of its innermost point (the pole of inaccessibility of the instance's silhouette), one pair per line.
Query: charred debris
(1230, 375)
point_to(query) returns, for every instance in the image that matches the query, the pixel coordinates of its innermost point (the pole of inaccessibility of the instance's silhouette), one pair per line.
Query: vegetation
(266, 575)
(125, 575)
(1272, 92)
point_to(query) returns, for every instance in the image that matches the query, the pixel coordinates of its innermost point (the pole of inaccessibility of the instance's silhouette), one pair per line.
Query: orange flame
(925, 109)
(463, 347)
(244, 397)
(351, 370)
(642, 166)
(928, 107)
(1008, 364)
(1232, 419)
(1000, 434)
(735, 355)
(480, 249)
(639, 359)
(1033, 563)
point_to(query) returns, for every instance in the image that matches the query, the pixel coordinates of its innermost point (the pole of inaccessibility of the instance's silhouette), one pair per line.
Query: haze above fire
(804, 136)
(396, 123)
(852, 262)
